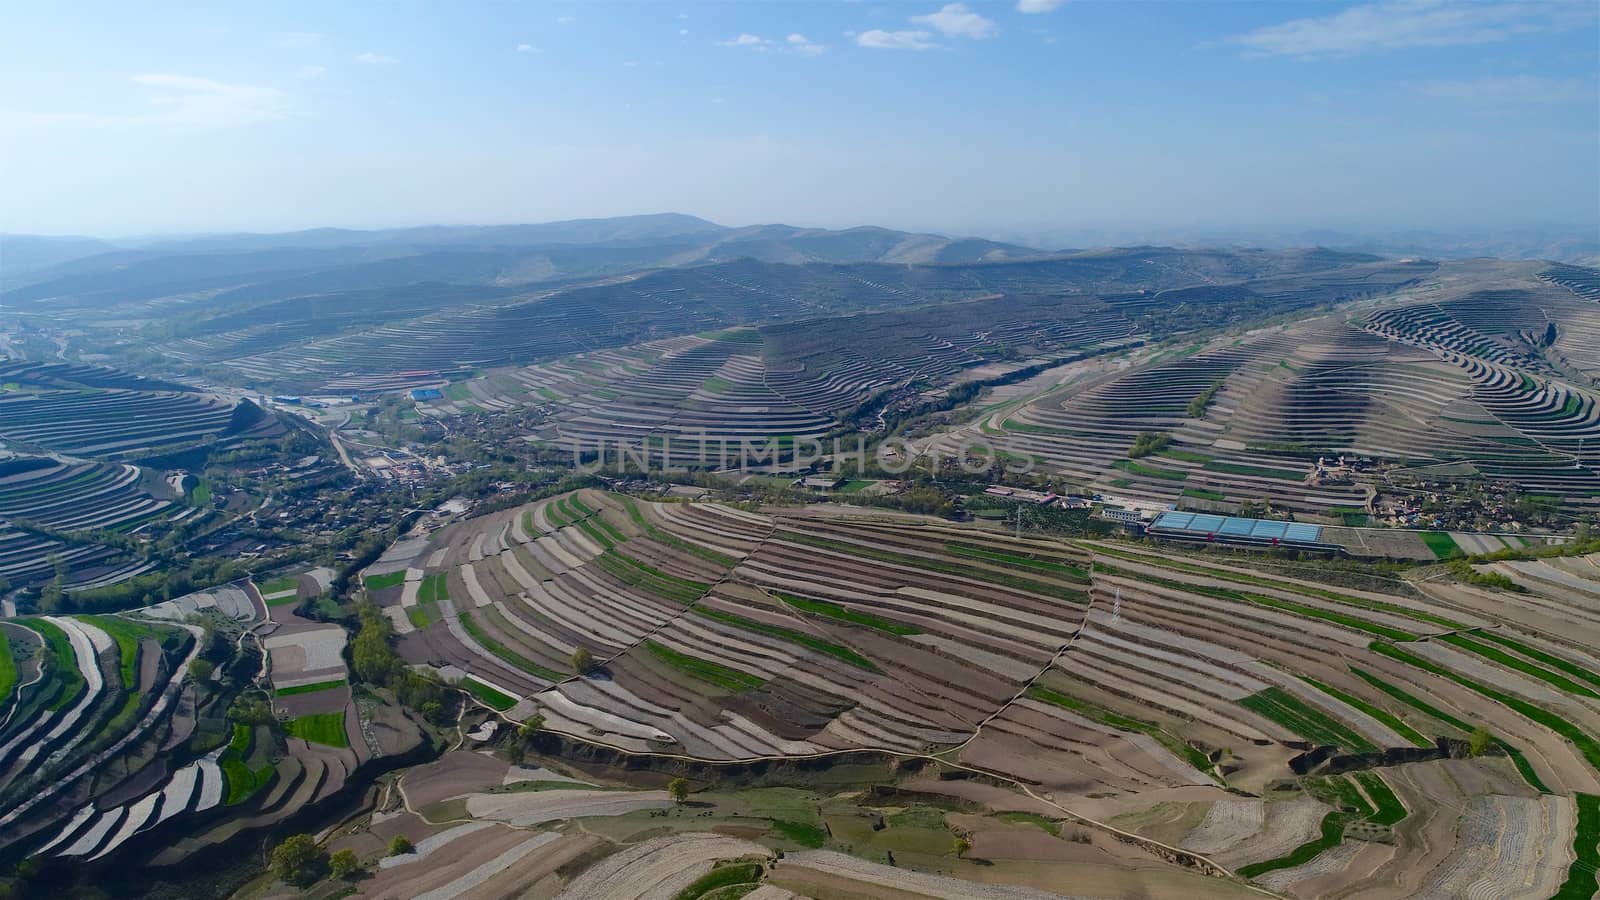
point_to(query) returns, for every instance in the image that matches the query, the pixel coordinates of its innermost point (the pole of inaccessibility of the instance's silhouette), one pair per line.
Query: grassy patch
(312, 688)
(321, 728)
(804, 834)
(1301, 718)
(705, 670)
(127, 635)
(794, 637)
(1442, 544)
(505, 653)
(1050, 826)
(487, 695)
(835, 611)
(1581, 881)
(457, 390)
(1185, 455)
(1203, 494)
(386, 580)
(1377, 712)
(282, 583)
(419, 618)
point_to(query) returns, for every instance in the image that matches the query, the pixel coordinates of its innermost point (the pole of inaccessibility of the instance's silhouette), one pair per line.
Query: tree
(960, 845)
(400, 846)
(678, 789)
(292, 858)
(344, 863)
(200, 669)
(531, 727)
(1479, 741)
(582, 661)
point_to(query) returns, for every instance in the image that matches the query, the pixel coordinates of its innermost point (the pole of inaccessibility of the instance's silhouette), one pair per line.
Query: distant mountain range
(43, 267)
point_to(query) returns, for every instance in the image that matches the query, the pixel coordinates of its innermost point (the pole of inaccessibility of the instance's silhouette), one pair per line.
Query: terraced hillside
(489, 327)
(106, 414)
(110, 739)
(1494, 383)
(1126, 688)
(41, 496)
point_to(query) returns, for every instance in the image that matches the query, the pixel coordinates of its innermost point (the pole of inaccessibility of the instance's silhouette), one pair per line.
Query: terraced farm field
(1128, 689)
(1495, 383)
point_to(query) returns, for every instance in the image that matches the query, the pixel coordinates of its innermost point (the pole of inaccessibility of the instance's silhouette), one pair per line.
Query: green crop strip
(241, 780)
(386, 580)
(1332, 834)
(321, 728)
(672, 540)
(488, 695)
(934, 565)
(1255, 471)
(1128, 465)
(1581, 881)
(1520, 665)
(793, 637)
(1203, 494)
(1442, 544)
(506, 654)
(1551, 660)
(1174, 744)
(1299, 717)
(1261, 581)
(641, 575)
(434, 588)
(1299, 609)
(1524, 767)
(1586, 745)
(1377, 712)
(1390, 810)
(63, 660)
(844, 614)
(127, 635)
(282, 583)
(802, 833)
(312, 688)
(705, 670)
(8, 670)
(1050, 566)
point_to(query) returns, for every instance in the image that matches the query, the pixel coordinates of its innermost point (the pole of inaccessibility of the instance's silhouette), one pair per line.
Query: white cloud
(745, 40)
(1038, 6)
(527, 48)
(878, 39)
(955, 20)
(311, 71)
(631, 64)
(1507, 90)
(682, 16)
(375, 59)
(1399, 24)
(683, 32)
(802, 45)
(565, 20)
(185, 100)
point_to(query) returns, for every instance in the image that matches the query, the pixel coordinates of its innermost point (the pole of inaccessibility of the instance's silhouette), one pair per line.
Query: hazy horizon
(975, 118)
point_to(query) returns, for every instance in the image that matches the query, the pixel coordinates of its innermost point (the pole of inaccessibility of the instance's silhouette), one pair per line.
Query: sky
(122, 119)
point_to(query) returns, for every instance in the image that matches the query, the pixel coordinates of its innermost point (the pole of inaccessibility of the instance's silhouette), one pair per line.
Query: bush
(200, 669)
(401, 845)
(292, 859)
(344, 863)
(1479, 742)
(582, 661)
(678, 789)
(1148, 442)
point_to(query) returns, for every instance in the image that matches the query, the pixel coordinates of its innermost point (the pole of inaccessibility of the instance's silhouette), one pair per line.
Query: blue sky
(142, 118)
